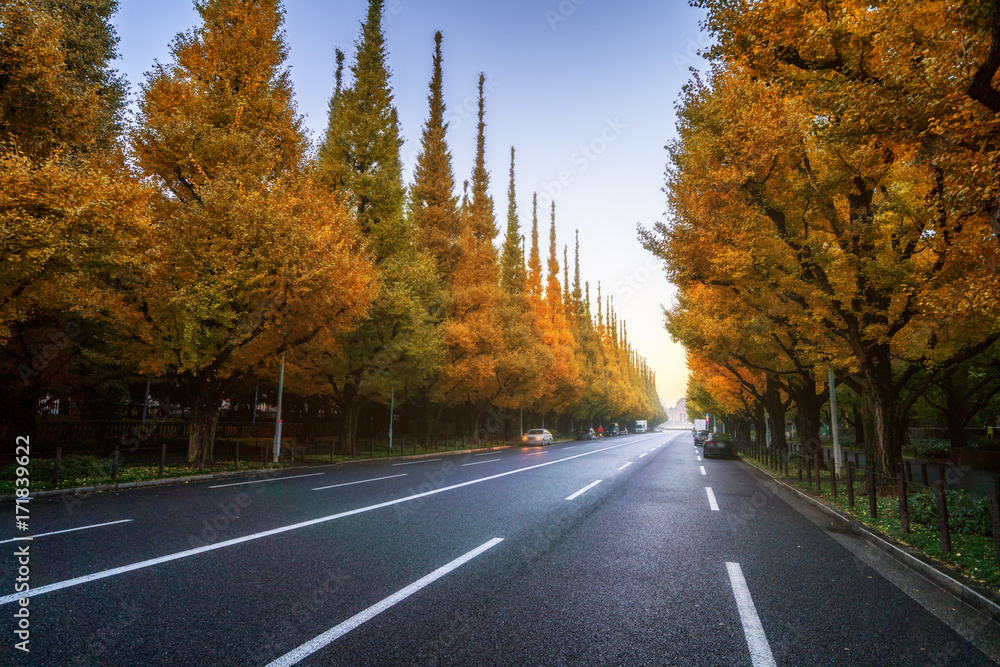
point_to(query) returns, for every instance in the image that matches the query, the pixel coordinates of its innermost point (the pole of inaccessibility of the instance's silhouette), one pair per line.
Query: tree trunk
(809, 406)
(956, 414)
(776, 410)
(883, 423)
(202, 423)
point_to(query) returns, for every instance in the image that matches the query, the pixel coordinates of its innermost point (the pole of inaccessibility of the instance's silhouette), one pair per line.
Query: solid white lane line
(360, 481)
(760, 650)
(68, 583)
(261, 481)
(711, 499)
(68, 530)
(625, 466)
(295, 656)
(413, 463)
(475, 463)
(584, 490)
(703, 470)
(535, 453)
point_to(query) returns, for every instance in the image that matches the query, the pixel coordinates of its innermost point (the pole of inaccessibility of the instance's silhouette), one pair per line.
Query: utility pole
(277, 427)
(834, 430)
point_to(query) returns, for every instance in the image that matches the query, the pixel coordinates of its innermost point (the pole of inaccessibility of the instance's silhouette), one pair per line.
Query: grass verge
(974, 556)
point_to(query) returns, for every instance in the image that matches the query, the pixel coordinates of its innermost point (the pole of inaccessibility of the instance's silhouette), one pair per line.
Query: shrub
(928, 448)
(965, 514)
(70, 467)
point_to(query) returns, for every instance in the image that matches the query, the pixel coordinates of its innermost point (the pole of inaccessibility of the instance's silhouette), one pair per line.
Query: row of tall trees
(202, 241)
(834, 202)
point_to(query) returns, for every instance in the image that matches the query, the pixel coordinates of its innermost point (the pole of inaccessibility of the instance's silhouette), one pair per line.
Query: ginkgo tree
(250, 256)
(72, 213)
(844, 243)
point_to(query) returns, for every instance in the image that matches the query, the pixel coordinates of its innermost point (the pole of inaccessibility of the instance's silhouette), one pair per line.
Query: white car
(537, 436)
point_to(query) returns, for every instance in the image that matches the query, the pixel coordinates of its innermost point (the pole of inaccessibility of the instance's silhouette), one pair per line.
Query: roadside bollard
(872, 496)
(114, 464)
(236, 455)
(55, 468)
(942, 516)
(163, 455)
(833, 478)
(995, 514)
(850, 484)
(904, 507)
(819, 480)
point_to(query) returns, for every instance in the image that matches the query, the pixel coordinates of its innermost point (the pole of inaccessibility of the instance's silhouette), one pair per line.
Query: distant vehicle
(699, 437)
(612, 429)
(658, 429)
(701, 424)
(537, 436)
(624, 431)
(720, 444)
(586, 434)
(640, 425)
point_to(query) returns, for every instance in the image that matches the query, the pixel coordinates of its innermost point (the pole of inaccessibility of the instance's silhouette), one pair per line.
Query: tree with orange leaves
(250, 256)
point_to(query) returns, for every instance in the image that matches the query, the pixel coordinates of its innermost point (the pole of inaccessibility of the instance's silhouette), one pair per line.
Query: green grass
(81, 471)
(973, 555)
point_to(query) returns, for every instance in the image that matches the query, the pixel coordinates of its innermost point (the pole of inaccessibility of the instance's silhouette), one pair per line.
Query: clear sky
(583, 89)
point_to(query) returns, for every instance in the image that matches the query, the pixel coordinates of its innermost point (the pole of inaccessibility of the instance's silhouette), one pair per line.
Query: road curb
(950, 582)
(101, 488)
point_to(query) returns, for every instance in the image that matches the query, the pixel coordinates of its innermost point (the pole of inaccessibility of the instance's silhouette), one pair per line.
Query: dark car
(720, 444)
(586, 434)
(612, 429)
(699, 437)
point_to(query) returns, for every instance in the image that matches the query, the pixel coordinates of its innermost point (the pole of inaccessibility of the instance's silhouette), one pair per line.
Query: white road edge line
(411, 463)
(261, 481)
(584, 490)
(360, 481)
(475, 463)
(103, 574)
(760, 650)
(68, 530)
(711, 499)
(625, 466)
(703, 470)
(486, 454)
(296, 655)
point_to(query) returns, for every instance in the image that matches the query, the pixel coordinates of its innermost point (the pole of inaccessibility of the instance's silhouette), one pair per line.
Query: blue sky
(583, 89)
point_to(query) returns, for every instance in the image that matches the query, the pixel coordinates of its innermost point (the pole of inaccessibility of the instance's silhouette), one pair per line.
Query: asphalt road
(609, 552)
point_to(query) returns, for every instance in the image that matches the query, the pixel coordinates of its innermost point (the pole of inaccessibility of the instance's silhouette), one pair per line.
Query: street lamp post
(392, 408)
(277, 428)
(834, 429)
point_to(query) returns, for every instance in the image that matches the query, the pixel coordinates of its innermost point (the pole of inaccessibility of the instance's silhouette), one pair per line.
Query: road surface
(623, 551)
